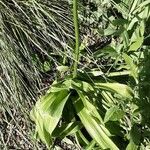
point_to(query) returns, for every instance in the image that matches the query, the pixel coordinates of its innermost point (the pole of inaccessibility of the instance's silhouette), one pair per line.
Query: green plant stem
(76, 27)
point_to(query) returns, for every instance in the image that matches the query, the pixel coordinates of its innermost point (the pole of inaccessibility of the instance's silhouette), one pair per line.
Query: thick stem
(76, 27)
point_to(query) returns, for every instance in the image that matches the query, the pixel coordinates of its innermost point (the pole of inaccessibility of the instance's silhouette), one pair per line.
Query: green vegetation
(80, 69)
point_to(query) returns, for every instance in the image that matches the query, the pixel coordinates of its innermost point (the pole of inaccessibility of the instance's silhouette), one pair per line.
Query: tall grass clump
(32, 35)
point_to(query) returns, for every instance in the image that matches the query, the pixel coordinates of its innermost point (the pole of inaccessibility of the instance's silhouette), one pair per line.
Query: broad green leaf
(58, 104)
(53, 114)
(81, 85)
(109, 31)
(121, 89)
(65, 85)
(67, 129)
(113, 114)
(90, 107)
(142, 28)
(137, 44)
(143, 4)
(47, 112)
(137, 37)
(132, 23)
(145, 14)
(44, 102)
(93, 127)
(108, 50)
(119, 21)
(132, 146)
(40, 129)
(132, 67)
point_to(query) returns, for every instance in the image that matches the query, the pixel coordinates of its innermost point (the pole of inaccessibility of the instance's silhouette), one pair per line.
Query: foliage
(31, 32)
(99, 102)
(49, 108)
(101, 93)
